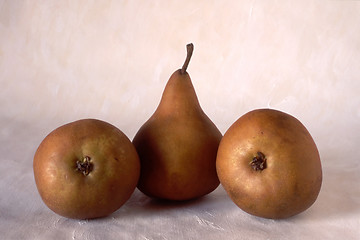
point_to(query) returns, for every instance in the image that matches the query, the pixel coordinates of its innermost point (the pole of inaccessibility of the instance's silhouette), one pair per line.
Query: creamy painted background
(65, 60)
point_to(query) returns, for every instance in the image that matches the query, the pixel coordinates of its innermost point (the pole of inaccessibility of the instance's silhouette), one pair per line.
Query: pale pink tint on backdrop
(65, 60)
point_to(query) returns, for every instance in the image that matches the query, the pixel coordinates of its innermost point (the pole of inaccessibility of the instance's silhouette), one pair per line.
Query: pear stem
(189, 49)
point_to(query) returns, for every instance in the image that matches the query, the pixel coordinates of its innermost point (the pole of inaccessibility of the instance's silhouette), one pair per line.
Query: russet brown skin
(86, 169)
(177, 146)
(291, 179)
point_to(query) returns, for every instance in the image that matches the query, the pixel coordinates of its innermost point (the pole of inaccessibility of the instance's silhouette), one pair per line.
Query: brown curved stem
(189, 49)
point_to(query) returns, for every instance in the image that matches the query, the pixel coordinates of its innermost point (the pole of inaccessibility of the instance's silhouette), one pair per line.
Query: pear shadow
(140, 205)
(163, 204)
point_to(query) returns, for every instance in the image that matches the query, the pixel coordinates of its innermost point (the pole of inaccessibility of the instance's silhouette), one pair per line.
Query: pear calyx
(84, 166)
(189, 49)
(258, 163)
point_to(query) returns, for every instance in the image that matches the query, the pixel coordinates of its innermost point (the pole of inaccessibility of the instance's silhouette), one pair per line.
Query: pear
(178, 144)
(86, 169)
(269, 164)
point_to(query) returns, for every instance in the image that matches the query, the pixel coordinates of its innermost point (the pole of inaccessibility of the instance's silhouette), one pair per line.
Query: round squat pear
(269, 164)
(86, 169)
(177, 146)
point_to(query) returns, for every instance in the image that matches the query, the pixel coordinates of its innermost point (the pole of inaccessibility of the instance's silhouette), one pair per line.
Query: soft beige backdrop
(65, 60)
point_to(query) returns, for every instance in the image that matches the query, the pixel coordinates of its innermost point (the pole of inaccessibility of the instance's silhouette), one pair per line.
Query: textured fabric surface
(61, 61)
(335, 215)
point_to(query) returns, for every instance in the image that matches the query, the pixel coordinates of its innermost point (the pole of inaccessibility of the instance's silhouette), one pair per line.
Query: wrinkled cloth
(23, 215)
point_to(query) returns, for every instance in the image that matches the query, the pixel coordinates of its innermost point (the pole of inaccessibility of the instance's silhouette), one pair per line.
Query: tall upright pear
(177, 146)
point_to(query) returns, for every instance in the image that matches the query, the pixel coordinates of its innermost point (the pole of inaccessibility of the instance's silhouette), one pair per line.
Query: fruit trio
(266, 161)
